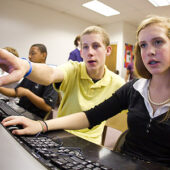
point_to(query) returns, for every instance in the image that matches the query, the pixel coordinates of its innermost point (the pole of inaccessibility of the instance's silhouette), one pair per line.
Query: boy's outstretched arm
(17, 68)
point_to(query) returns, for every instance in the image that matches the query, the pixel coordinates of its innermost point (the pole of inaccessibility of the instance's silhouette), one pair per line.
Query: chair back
(113, 128)
(120, 141)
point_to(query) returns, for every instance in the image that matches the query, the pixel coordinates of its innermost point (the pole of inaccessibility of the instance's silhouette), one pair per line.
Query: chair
(48, 115)
(120, 141)
(113, 129)
(110, 136)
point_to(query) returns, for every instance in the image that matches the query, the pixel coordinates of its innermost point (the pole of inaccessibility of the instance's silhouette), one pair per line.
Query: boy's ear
(44, 56)
(108, 50)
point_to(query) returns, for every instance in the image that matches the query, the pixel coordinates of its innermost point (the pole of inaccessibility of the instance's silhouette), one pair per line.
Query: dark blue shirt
(75, 55)
(46, 92)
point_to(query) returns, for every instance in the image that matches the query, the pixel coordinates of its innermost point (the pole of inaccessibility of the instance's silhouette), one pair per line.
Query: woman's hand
(30, 127)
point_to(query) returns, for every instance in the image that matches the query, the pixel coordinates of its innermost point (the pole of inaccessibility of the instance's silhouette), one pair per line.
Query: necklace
(157, 104)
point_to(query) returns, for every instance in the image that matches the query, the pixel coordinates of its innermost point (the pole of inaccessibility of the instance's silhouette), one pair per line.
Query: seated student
(147, 99)
(36, 98)
(75, 54)
(12, 50)
(130, 71)
(83, 84)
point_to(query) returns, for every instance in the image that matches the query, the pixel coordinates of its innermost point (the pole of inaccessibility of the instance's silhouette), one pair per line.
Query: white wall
(116, 37)
(121, 33)
(129, 37)
(23, 24)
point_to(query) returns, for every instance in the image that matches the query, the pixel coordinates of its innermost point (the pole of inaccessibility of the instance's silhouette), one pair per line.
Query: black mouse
(14, 127)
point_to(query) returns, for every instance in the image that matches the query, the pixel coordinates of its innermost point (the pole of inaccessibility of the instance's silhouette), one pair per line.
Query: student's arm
(70, 122)
(20, 92)
(7, 92)
(45, 75)
(115, 104)
(36, 100)
(17, 68)
(31, 127)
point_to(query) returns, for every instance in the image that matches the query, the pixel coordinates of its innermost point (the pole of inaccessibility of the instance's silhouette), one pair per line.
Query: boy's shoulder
(115, 76)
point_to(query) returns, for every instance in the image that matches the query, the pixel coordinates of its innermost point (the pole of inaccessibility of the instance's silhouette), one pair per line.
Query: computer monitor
(14, 156)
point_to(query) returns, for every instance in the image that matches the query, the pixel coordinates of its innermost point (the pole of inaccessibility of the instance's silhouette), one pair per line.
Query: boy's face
(35, 55)
(94, 52)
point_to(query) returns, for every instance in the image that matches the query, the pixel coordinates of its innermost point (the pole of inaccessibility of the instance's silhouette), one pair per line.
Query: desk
(100, 154)
(103, 155)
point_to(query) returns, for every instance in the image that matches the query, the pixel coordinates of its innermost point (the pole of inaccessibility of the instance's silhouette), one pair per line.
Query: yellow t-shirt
(80, 93)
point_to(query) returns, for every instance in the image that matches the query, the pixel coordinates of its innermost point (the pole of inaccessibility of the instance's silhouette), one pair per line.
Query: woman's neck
(158, 92)
(161, 81)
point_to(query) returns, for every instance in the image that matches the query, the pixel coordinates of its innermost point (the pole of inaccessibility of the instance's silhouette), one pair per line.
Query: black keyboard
(6, 110)
(51, 153)
(54, 156)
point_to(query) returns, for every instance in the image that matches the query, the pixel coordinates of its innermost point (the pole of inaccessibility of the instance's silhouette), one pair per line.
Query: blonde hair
(163, 22)
(12, 50)
(97, 30)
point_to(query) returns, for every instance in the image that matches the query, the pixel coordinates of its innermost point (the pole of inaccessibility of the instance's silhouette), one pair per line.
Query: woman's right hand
(30, 127)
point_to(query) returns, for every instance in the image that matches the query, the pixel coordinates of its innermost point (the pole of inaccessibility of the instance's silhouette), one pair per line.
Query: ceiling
(131, 11)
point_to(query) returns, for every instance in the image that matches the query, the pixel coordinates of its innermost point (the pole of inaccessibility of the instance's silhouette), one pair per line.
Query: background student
(130, 71)
(83, 84)
(36, 98)
(75, 54)
(147, 99)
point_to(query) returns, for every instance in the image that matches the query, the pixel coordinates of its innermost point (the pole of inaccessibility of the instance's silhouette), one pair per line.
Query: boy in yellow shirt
(84, 84)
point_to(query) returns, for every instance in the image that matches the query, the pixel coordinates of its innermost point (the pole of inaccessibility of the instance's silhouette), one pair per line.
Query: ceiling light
(160, 2)
(101, 8)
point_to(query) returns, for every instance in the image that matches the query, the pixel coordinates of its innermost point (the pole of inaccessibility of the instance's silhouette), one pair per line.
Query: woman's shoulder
(129, 85)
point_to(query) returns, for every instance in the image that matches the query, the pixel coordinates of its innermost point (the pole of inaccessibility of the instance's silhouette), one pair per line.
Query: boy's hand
(16, 67)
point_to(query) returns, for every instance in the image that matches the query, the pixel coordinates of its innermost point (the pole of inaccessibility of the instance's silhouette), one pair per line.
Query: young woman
(147, 99)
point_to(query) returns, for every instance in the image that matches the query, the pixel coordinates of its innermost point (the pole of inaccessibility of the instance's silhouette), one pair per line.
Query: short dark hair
(41, 47)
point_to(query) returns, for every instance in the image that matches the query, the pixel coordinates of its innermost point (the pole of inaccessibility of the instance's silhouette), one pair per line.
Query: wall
(121, 33)
(129, 36)
(23, 24)
(116, 37)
